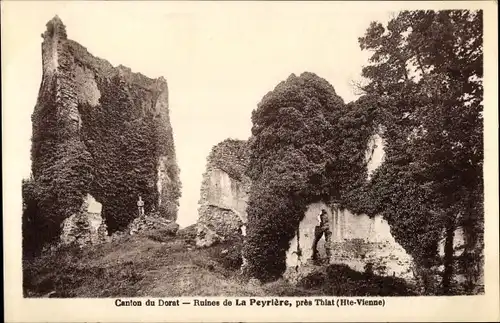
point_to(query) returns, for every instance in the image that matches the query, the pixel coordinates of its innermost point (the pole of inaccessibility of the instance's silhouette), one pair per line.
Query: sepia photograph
(240, 149)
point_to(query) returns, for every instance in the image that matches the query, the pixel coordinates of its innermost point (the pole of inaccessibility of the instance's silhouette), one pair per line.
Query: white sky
(219, 59)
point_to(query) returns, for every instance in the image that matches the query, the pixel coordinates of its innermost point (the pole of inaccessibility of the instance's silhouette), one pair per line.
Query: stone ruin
(152, 221)
(71, 77)
(224, 194)
(357, 240)
(86, 227)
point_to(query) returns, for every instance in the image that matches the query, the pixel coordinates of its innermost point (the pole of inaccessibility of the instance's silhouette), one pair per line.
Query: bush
(228, 253)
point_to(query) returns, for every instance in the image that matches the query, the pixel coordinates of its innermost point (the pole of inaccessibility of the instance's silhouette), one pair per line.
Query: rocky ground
(160, 264)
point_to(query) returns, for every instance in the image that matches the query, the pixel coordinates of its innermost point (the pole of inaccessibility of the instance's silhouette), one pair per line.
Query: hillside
(155, 265)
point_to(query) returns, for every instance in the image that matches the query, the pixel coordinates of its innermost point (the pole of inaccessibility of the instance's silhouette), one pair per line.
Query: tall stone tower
(99, 131)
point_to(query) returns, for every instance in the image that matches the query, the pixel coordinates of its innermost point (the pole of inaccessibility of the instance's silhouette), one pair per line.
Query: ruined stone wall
(356, 241)
(224, 193)
(86, 227)
(100, 130)
(152, 221)
(374, 154)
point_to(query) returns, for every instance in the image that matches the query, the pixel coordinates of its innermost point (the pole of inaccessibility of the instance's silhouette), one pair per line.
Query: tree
(306, 146)
(426, 72)
(291, 128)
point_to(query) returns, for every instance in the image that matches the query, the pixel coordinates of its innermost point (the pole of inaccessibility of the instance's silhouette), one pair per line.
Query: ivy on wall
(231, 156)
(61, 171)
(306, 146)
(112, 155)
(124, 152)
(426, 69)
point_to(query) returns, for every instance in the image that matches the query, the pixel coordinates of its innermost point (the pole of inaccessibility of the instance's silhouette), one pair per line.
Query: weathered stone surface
(374, 154)
(153, 222)
(79, 95)
(86, 227)
(356, 241)
(361, 242)
(75, 70)
(205, 237)
(224, 193)
(227, 193)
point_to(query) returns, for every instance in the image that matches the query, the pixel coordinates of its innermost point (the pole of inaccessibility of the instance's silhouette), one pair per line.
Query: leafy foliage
(113, 155)
(122, 145)
(306, 146)
(61, 173)
(424, 96)
(425, 72)
(231, 156)
(32, 226)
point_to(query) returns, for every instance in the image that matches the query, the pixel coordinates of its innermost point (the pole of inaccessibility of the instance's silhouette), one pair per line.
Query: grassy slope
(156, 265)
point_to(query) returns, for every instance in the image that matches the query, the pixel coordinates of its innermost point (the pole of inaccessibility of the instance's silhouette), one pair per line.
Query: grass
(152, 265)
(342, 280)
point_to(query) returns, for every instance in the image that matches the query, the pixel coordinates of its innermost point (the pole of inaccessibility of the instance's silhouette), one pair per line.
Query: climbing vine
(125, 146)
(306, 146)
(231, 156)
(426, 74)
(112, 154)
(61, 170)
